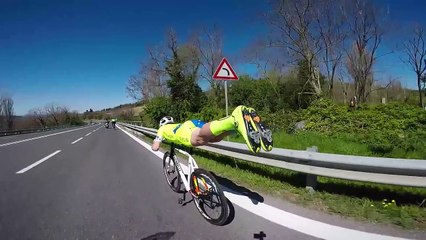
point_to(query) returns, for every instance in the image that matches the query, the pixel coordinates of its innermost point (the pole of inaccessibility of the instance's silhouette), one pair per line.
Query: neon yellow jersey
(166, 133)
(178, 133)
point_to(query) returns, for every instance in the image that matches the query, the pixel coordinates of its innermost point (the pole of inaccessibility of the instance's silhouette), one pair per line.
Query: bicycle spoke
(170, 172)
(211, 203)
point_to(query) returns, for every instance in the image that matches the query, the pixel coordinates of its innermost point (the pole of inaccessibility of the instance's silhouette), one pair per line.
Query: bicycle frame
(204, 188)
(192, 165)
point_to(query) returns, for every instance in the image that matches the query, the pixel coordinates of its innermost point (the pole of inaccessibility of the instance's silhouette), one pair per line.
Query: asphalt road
(104, 186)
(101, 184)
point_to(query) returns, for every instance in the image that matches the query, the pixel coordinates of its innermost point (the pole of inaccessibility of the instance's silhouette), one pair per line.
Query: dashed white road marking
(77, 140)
(44, 136)
(37, 163)
(88, 134)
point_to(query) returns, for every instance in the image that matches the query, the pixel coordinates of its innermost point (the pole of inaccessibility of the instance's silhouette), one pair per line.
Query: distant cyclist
(194, 133)
(113, 122)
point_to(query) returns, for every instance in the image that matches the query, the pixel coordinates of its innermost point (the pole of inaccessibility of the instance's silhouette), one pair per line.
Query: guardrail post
(311, 179)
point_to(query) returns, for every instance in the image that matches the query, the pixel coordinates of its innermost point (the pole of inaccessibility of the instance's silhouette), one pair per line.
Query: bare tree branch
(415, 51)
(295, 22)
(210, 47)
(364, 26)
(151, 79)
(53, 111)
(389, 83)
(332, 29)
(39, 116)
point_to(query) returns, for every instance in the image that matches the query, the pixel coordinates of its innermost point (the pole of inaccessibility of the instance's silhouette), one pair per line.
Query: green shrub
(279, 121)
(208, 113)
(156, 109)
(384, 128)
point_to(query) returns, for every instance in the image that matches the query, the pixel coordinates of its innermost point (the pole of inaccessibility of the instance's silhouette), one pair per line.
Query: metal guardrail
(16, 132)
(404, 172)
(23, 131)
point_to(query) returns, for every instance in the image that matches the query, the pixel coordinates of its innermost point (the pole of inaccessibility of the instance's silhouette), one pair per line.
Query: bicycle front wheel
(171, 172)
(208, 197)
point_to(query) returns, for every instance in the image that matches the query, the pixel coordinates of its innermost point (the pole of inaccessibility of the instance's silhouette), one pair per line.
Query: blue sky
(81, 53)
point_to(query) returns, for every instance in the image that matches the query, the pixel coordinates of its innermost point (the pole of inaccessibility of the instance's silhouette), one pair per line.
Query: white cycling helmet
(166, 120)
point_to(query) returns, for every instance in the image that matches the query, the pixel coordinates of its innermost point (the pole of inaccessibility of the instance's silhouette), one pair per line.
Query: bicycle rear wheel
(208, 197)
(171, 172)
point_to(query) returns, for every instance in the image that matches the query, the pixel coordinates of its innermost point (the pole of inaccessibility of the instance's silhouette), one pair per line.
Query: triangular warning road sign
(224, 71)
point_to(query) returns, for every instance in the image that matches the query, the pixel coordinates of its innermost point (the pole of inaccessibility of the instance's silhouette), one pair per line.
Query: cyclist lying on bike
(194, 133)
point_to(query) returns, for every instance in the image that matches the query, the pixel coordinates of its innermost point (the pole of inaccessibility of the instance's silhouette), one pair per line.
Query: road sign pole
(225, 72)
(226, 103)
(226, 97)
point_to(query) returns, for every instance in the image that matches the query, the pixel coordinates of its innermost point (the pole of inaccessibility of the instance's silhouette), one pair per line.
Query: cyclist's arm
(156, 143)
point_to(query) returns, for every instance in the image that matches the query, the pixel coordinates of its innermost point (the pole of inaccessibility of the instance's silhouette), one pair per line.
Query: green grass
(325, 144)
(301, 141)
(357, 200)
(342, 144)
(339, 145)
(401, 153)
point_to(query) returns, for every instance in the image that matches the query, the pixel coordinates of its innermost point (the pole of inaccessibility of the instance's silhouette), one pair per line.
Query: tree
(182, 67)
(150, 82)
(65, 115)
(363, 19)
(39, 116)
(415, 50)
(2, 118)
(272, 64)
(333, 33)
(210, 45)
(7, 111)
(357, 65)
(304, 91)
(395, 91)
(295, 31)
(54, 111)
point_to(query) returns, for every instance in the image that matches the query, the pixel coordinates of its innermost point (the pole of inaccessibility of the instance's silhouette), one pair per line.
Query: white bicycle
(201, 184)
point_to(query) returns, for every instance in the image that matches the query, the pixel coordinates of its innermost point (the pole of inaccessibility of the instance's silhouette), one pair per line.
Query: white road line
(88, 134)
(77, 140)
(289, 220)
(44, 136)
(37, 163)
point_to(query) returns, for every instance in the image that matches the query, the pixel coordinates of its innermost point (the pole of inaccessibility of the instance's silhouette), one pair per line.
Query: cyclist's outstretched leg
(241, 121)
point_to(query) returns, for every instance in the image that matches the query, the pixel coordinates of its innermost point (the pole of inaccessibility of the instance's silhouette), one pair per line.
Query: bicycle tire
(174, 183)
(223, 204)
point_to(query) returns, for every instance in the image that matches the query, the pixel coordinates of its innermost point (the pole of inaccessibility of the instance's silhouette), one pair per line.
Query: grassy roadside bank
(376, 203)
(342, 144)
